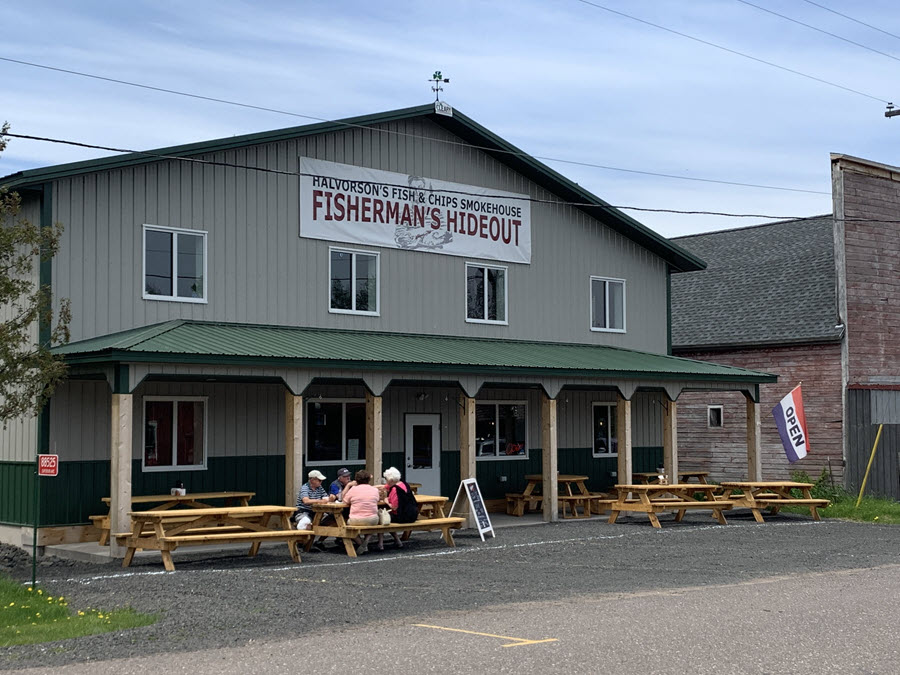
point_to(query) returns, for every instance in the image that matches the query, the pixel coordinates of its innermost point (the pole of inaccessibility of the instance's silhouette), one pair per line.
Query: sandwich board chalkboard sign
(476, 506)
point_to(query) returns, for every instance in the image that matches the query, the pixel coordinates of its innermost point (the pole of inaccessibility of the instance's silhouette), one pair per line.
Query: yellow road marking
(516, 642)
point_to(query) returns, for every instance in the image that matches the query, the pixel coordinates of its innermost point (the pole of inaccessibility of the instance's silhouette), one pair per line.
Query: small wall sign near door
(476, 506)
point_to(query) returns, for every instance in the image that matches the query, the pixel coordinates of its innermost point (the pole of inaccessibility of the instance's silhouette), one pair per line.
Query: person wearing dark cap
(337, 486)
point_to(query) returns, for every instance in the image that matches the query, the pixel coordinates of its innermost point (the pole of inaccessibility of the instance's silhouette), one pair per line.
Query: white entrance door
(423, 452)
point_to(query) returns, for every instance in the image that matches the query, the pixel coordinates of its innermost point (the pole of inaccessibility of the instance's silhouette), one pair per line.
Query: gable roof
(184, 341)
(459, 125)
(766, 284)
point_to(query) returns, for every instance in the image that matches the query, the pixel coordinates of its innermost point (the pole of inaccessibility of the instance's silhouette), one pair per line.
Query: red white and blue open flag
(791, 422)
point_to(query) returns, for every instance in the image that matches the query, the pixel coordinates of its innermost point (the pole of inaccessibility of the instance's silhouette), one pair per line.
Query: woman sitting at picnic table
(363, 501)
(401, 499)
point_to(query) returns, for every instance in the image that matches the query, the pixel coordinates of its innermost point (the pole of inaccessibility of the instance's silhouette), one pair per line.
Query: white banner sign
(340, 202)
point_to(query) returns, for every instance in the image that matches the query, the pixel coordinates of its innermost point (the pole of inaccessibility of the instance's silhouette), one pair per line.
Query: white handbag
(384, 517)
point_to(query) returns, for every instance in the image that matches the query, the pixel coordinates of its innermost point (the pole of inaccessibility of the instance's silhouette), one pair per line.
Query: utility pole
(890, 112)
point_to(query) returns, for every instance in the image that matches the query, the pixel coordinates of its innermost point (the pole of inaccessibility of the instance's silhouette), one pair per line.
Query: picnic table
(431, 517)
(196, 500)
(655, 498)
(166, 530)
(573, 494)
(758, 495)
(683, 476)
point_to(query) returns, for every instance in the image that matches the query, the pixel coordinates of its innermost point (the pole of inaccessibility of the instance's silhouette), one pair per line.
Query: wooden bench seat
(570, 503)
(518, 502)
(347, 533)
(235, 537)
(199, 536)
(790, 502)
(659, 505)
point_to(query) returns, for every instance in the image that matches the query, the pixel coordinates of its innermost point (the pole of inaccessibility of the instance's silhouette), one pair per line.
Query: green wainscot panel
(66, 499)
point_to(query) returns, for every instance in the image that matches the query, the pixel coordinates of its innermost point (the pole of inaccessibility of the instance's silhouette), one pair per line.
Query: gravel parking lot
(227, 599)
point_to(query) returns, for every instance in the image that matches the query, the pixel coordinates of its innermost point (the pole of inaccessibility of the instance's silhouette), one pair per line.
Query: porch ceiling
(196, 342)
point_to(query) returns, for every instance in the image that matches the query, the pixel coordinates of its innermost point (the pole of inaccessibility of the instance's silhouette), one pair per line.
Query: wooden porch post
(549, 459)
(625, 462)
(670, 440)
(754, 456)
(121, 414)
(373, 436)
(467, 443)
(293, 446)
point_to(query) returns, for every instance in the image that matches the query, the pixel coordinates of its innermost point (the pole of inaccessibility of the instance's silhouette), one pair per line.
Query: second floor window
(607, 304)
(485, 294)
(354, 282)
(174, 264)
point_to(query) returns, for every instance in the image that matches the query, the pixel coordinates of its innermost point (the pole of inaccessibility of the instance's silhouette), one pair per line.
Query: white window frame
(176, 231)
(485, 267)
(175, 466)
(332, 462)
(612, 412)
(505, 458)
(354, 252)
(591, 309)
(721, 416)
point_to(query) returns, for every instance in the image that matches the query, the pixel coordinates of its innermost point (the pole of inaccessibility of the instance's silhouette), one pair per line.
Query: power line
(819, 30)
(555, 202)
(511, 153)
(850, 18)
(732, 51)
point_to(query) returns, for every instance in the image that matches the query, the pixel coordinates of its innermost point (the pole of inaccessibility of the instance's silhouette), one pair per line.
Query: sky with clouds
(572, 82)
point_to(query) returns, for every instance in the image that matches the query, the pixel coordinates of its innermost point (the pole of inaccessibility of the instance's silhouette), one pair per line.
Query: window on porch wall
(174, 433)
(501, 430)
(335, 432)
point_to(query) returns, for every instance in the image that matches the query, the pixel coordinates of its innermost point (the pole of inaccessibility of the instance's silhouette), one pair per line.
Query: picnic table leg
(613, 514)
(292, 547)
(756, 514)
(349, 547)
(680, 515)
(718, 515)
(448, 538)
(654, 520)
(406, 534)
(104, 536)
(129, 555)
(167, 560)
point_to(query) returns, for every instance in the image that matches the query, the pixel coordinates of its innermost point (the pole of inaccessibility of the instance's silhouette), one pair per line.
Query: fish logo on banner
(791, 422)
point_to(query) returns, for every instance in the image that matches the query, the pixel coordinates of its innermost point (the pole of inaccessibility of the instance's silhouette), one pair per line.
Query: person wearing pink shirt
(363, 501)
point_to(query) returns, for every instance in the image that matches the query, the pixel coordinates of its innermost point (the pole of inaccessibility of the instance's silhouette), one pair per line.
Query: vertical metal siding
(261, 271)
(18, 441)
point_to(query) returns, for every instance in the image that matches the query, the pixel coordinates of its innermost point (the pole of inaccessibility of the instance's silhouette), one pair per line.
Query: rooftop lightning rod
(438, 79)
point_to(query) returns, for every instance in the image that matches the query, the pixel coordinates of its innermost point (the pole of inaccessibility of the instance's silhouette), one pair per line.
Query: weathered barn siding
(261, 271)
(872, 261)
(723, 451)
(884, 476)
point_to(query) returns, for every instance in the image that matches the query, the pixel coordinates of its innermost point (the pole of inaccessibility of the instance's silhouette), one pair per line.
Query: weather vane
(438, 79)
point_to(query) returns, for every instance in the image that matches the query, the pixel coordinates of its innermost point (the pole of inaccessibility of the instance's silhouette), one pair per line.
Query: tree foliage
(28, 371)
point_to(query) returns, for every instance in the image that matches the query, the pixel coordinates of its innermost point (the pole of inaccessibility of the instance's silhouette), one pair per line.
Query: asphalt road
(787, 596)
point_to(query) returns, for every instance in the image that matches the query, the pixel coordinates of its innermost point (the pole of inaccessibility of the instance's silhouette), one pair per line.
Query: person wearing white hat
(311, 492)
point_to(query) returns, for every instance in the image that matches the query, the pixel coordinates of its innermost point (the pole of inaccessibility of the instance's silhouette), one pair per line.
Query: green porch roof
(183, 341)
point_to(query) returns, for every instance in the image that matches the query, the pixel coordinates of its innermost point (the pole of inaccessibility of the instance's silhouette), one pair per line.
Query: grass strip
(30, 616)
